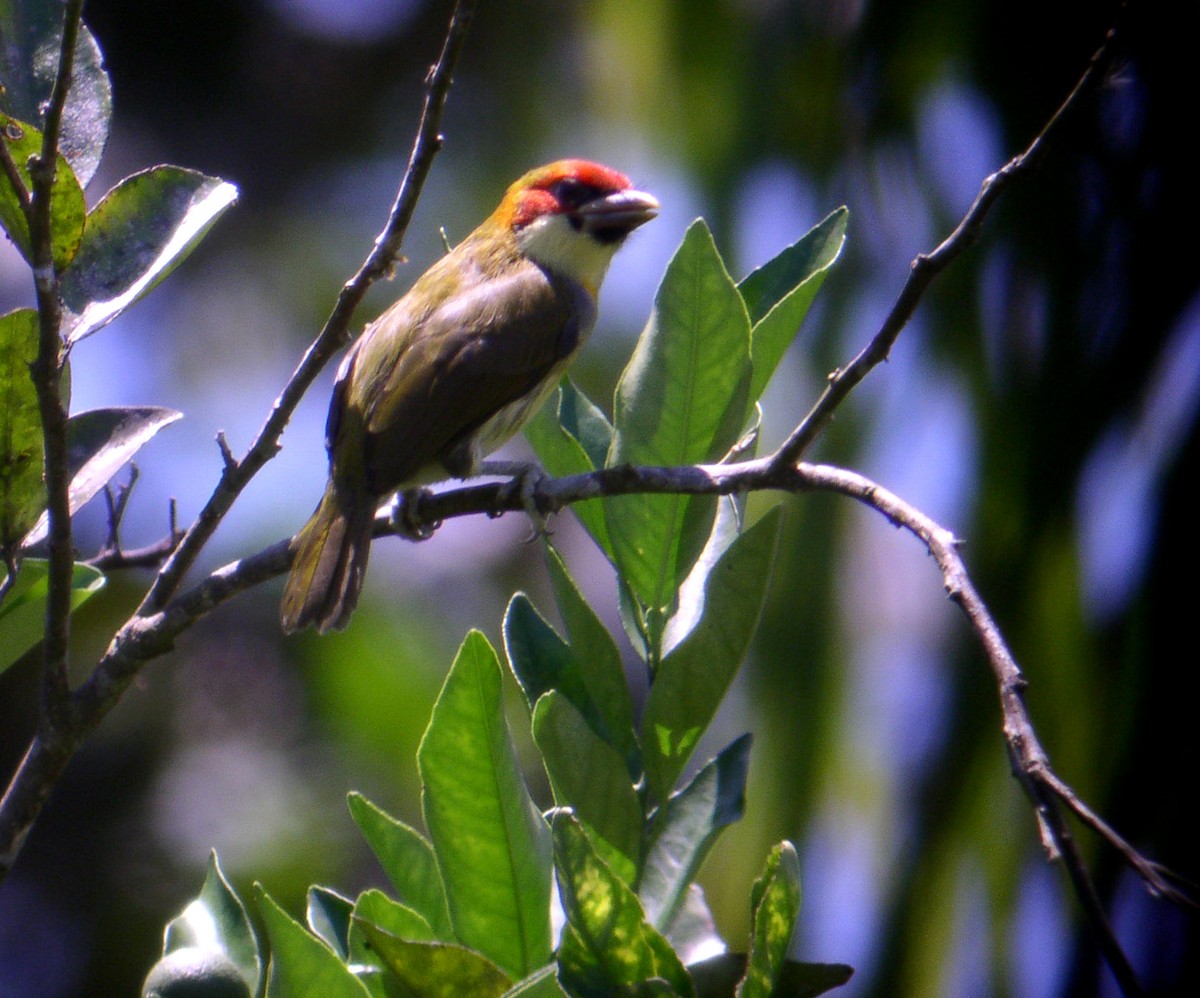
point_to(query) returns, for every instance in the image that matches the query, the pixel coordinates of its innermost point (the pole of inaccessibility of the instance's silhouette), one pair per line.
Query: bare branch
(45, 372)
(236, 476)
(68, 718)
(927, 266)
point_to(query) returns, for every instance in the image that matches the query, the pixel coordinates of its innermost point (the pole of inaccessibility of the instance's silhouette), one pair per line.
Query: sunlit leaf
(681, 400)
(22, 490)
(30, 43)
(302, 966)
(328, 916)
(608, 945)
(686, 828)
(491, 841)
(779, 294)
(68, 209)
(774, 903)
(23, 612)
(571, 436)
(590, 776)
(437, 969)
(139, 232)
(216, 920)
(407, 858)
(99, 443)
(694, 676)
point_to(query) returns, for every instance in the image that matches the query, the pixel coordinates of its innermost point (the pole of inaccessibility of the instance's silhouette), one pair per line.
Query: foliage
(104, 260)
(475, 913)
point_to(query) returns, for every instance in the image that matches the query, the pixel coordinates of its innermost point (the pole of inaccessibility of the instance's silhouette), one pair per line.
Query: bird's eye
(571, 193)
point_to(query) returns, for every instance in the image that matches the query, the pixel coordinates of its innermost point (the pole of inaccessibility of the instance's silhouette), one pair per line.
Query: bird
(457, 365)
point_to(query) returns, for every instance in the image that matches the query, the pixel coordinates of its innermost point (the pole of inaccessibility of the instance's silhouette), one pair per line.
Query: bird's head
(571, 216)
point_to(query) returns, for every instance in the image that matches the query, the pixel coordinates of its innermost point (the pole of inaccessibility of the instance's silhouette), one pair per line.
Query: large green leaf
(68, 209)
(542, 983)
(139, 232)
(30, 43)
(571, 436)
(23, 612)
(608, 945)
(408, 860)
(590, 776)
(491, 842)
(22, 491)
(686, 827)
(681, 400)
(779, 294)
(216, 920)
(99, 442)
(302, 966)
(435, 969)
(599, 662)
(695, 674)
(774, 904)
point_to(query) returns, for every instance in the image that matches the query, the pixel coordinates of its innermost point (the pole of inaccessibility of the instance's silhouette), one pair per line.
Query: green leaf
(542, 983)
(608, 945)
(30, 40)
(68, 209)
(302, 966)
(774, 905)
(217, 921)
(692, 933)
(328, 915)
(399, 920)
(779, 294)
(541, 660)
(435, 969)
(681, 400)
(571, 436)
(408, 860)
(694, 676)
(686, 828)
(491, 842)
(139, 232)
(99, 443)
(608, 708)
(23, 611)
(22, 490)
(718, 976)
(590, 776)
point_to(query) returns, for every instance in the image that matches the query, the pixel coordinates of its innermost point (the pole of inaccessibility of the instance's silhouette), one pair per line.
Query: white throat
(552, 242)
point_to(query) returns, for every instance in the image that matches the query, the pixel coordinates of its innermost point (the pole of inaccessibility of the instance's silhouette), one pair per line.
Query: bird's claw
(524, 483)
(405, 515)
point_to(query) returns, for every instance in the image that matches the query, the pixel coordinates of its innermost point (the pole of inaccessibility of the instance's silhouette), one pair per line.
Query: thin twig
(236, 475)
(151, 631)
(927, 266)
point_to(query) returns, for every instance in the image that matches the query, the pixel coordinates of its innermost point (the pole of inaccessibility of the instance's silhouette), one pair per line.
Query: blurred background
(1043, 404)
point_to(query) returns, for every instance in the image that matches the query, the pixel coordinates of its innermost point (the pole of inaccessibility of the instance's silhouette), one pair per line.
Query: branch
(927, 266)
(152, 628)
(46, 372)
(236, 475)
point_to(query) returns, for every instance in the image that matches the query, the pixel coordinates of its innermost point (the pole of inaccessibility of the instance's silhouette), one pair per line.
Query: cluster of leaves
(475, 910)
(104, 260)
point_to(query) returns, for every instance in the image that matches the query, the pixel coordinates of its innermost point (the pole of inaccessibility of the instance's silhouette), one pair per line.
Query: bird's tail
(330, 563)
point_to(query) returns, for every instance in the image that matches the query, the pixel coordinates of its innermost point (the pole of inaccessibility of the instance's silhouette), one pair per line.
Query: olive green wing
(481, 350)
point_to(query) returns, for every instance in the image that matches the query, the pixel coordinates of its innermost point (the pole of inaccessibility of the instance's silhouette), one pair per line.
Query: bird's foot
(406, 518)
(524, 479)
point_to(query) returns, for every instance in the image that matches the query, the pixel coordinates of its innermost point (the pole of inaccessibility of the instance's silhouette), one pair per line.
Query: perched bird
(458, 364)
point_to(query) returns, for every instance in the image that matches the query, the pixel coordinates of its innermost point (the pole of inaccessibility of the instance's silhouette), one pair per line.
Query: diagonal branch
(152, 628)
(927, 266)
(336, 331)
